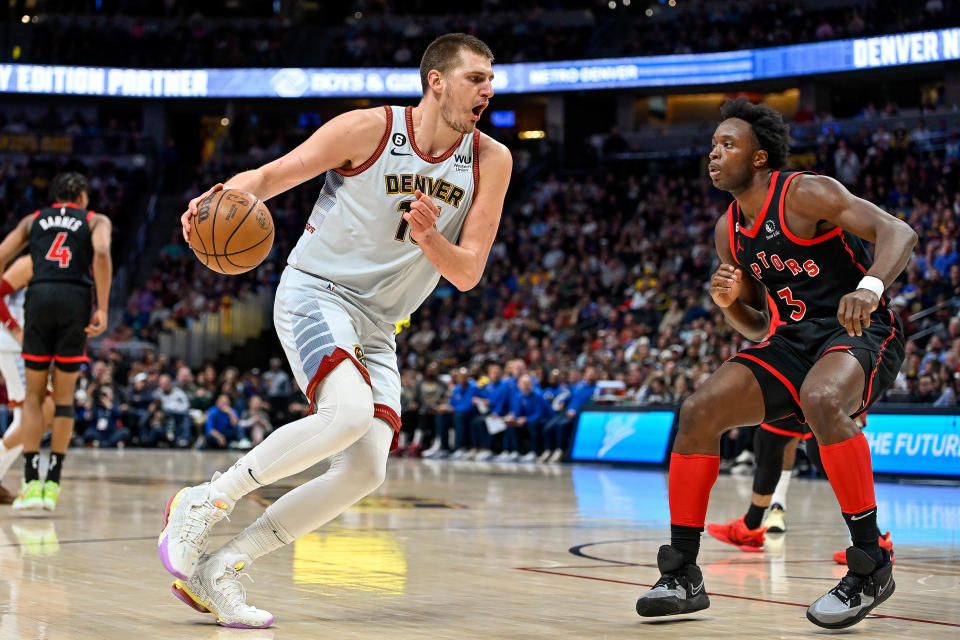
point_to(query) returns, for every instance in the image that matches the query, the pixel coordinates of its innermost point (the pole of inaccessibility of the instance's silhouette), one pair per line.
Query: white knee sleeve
(353, 473)
(344, 411)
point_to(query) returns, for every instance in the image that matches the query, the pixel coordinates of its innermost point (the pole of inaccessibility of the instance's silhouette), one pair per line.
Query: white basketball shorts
(14, 376)
(319, 329)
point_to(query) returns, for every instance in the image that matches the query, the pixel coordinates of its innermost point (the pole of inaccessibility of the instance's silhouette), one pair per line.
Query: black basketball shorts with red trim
(781, 363)
(55, 315)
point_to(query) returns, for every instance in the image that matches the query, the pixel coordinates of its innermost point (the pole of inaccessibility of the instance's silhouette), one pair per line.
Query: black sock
(56, 463)
(754, 516)
(31, 466)
(686, 540)
(864, 532)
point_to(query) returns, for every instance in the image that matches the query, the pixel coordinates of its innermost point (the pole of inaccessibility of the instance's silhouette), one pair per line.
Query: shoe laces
(231, 587)
(850, 585)
(196, 523)
(667, 581)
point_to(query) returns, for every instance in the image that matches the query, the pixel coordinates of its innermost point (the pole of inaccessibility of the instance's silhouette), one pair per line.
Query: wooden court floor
(460, 550)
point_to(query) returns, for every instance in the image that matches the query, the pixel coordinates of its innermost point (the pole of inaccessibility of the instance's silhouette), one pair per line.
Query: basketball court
(461, 550)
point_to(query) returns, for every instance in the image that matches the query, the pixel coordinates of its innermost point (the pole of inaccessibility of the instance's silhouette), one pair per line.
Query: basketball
(232, 231)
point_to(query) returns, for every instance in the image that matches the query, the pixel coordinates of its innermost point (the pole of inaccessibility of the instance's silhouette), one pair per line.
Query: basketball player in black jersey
(67, 243)
(791, 258)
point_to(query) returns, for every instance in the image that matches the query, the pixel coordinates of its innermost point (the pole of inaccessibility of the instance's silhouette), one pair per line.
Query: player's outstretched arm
(16, 240)
(463, 264)
(344, 142)
(739, 296)
(823, 198)
(100, 235)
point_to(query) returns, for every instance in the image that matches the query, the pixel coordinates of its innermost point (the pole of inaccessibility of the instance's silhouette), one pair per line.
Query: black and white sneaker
(679, 589)
(864, 587)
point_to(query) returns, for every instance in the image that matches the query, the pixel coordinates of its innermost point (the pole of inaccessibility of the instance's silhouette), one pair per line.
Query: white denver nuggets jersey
(356, 237)
(15, 304)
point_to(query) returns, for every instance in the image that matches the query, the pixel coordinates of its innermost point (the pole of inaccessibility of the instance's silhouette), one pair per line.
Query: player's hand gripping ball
(232, 231)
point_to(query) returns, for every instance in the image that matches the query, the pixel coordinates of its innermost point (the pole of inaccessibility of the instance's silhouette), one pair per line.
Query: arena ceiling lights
(542, 77)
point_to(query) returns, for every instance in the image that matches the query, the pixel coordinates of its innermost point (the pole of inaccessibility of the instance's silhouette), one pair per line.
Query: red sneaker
(413, 451)
(840, 557)
(735, 532)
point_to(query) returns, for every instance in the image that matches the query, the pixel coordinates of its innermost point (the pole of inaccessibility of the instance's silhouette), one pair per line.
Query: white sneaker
(215, 588)
(742, 469)
(510, 456)
(555, 456)
(542, 458)
(458, 454)
(432, 451)
(483, 455)
(528, 457)
(191, 513)
(776, 520)
(470, 455)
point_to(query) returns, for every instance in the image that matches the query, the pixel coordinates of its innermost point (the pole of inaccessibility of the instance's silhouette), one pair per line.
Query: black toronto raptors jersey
(805, 278)
(60, 244)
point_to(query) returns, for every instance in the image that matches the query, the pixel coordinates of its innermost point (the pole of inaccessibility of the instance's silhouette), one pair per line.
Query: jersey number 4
(801, 309)
(401, 234)
(58, 252)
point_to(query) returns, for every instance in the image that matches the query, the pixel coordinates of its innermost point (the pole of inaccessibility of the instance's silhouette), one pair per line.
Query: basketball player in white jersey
(12, 291)
(12, 294)
(410, 194)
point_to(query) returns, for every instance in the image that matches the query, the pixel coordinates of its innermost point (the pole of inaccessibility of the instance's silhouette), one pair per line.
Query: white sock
(260, 538)
(344, 411)
(780, 493)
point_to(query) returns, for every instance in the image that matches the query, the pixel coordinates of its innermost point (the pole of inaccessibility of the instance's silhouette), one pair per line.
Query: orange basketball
(232, 231)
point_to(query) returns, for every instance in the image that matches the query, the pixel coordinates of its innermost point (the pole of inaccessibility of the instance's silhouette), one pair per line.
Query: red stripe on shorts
(387, 414)
(779, 376)
(326, 366)
(33, 358)
(82, 358)
(786, 432)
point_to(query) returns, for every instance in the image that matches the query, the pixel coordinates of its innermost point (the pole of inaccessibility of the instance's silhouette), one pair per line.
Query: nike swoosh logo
(254, 477)
(695, 590)
(393, 152)
(861, 516)
(882, 589)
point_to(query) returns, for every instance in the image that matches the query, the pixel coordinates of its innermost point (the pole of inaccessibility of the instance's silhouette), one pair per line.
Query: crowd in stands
(38, 144)
(594, 292)
(153, 401)
(394, 34)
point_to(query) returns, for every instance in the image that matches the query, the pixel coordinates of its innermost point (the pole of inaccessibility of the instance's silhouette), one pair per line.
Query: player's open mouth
(714, 171)
(478, 109)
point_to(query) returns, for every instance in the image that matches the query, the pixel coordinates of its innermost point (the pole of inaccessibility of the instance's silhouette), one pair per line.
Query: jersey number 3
(801, 309)
(58, 252)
